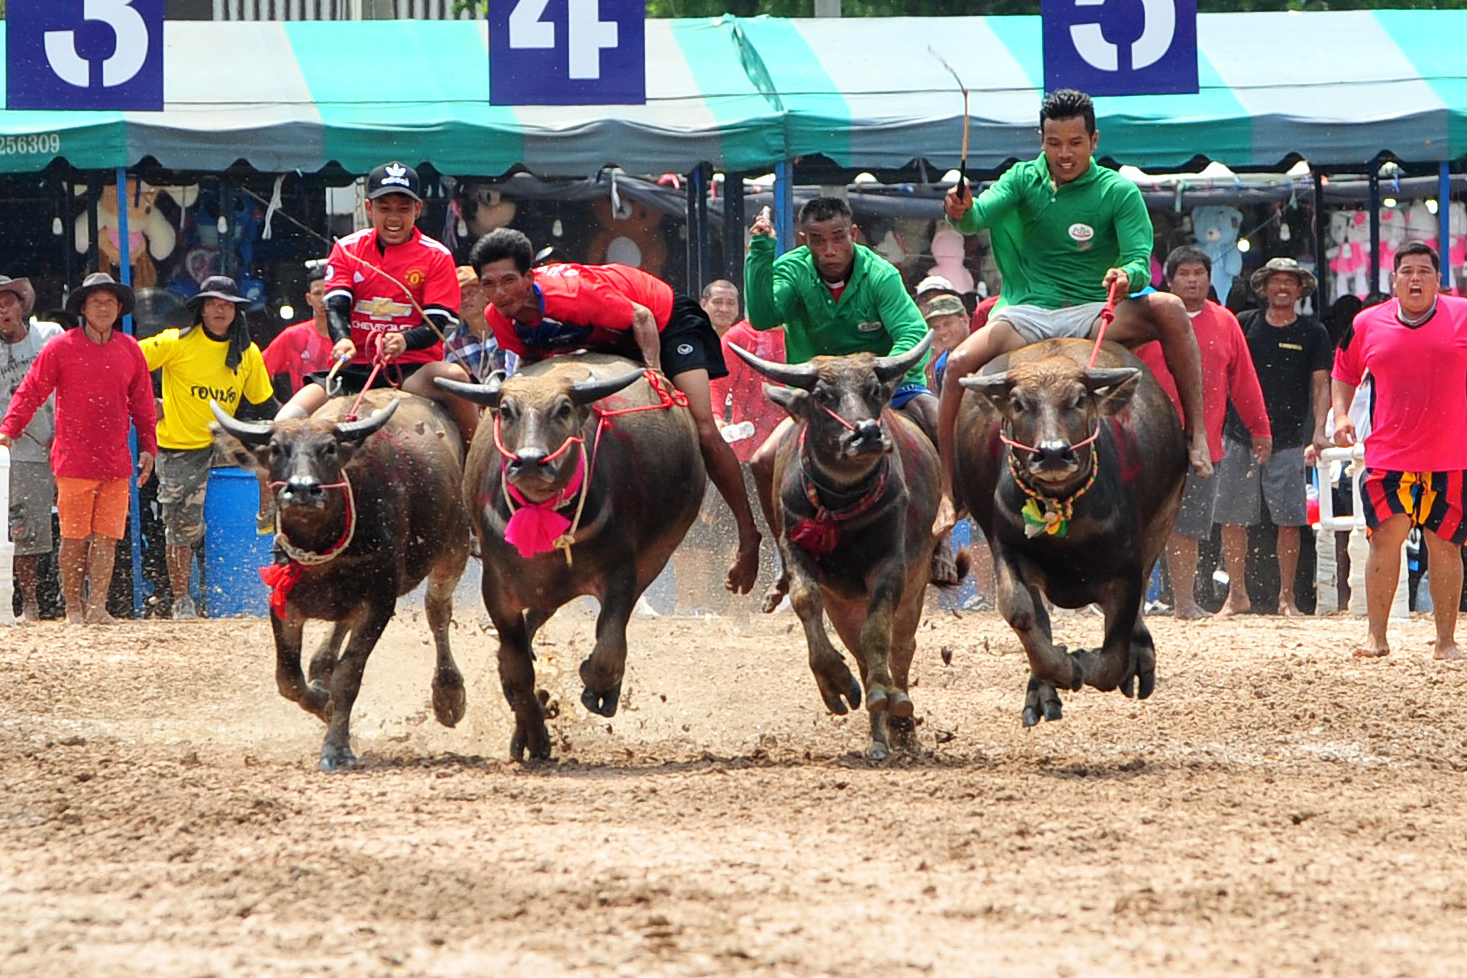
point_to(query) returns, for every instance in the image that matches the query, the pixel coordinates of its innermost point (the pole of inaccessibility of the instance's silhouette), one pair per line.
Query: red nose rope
(538, 527)
(281, 579)
(818, 535)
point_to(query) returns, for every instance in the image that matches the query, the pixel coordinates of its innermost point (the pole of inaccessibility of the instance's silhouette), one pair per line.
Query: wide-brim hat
(22, 289)
(216, 287)
(101, 282)
(1259, 279)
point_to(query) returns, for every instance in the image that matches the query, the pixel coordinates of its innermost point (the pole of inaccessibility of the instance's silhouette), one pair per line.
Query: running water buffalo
(583, 485)
(856, 489)
(365, 511)
(1075, 475)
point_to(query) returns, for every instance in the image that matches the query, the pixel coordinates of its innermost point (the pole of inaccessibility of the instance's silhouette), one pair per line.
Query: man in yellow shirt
(212, 360)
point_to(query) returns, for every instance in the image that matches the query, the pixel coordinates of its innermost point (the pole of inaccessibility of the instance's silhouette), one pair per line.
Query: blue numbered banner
(567, 52)
(84, 54)
(1120, 47)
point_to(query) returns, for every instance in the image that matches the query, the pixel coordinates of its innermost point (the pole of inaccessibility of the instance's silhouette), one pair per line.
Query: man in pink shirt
(101, 382)
(1227, 374)
(1415, 349)
(304, 347)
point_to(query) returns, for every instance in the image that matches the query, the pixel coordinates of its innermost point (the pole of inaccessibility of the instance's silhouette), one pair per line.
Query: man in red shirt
(391, 293)
(1415, 349)
(1227, 374)
(739, 397)
(540, 312)
(304, 347)
(101, 382)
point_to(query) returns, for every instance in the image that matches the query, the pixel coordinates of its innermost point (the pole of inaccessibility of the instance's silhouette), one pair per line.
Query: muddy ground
(1277, 808)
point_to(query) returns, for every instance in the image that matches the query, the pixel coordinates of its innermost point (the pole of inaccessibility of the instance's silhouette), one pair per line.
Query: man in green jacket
(833, 297)
(1063, 229)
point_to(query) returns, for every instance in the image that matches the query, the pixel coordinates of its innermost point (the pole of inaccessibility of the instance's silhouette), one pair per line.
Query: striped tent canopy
(743, 94)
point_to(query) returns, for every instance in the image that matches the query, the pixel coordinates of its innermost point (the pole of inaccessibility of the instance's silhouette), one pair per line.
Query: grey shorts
(32, 495)
(183, 478)
(1035, 324)
(1241, 482)
(1199, 500)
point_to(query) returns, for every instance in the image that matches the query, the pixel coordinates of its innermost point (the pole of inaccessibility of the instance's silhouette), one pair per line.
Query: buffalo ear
(1115, 386)
(245, 456)
(994, 388)
(792, 399)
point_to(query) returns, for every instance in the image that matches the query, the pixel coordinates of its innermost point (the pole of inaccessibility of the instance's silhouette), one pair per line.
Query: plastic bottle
(738, 432)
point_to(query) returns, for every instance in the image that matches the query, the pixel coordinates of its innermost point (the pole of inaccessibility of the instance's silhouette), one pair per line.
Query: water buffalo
(1075, 474)
(365, 511)
(856, 489)
(573, 497)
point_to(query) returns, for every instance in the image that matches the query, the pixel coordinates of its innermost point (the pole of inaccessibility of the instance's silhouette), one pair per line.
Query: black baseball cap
(393, 178)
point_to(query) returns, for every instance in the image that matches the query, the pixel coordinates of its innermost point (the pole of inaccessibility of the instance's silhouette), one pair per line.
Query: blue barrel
(233, 551)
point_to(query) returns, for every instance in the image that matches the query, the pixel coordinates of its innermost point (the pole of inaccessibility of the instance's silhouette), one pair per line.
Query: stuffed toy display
(151, 236)
(948, 253)
(1393, 236)
(1349, 253)
(629, 235)
(1216, 230)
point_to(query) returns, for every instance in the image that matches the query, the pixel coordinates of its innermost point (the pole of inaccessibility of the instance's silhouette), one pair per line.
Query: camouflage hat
(945, 305)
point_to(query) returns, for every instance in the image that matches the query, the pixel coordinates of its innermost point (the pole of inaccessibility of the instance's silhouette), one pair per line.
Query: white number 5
(126, 60)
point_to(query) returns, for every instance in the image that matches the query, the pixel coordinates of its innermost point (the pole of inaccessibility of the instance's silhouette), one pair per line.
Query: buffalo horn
(361, 430)
(249, 432)
(486, 394)
(1099, 378)
(889, 368)
(595, 388)
(801, 375)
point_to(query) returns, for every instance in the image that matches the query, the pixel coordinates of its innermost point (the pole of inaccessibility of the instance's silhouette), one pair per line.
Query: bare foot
(99, 616)
(1233, 606)
(776, 592)
(1191, 611)
(1448, 651)
(1372, 650)
(30, 613)
(1289, 609)
(745, 568)
(1199, 457)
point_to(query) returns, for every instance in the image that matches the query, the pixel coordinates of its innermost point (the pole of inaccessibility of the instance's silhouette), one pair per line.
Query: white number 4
(126, 60)
(589, 35)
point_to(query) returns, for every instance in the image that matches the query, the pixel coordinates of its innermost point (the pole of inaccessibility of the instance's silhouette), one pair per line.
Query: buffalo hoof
(836, 699)
(877, 751)
(1041, 702)
(1147, 682)
(335, 759)
(535, 740)
(876, 700)
(449, 699)
(603, 703)
(317, 702)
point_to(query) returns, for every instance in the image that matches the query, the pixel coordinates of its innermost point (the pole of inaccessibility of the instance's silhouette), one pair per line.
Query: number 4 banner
(567, 52)
(84, 54)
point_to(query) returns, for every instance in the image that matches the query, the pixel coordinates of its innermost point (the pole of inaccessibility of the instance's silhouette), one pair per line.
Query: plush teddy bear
(1216, 229)
(629, 235)
(150, 235)
(1393, 231)
(1421, 224)
(948, 252)
(1349, 254)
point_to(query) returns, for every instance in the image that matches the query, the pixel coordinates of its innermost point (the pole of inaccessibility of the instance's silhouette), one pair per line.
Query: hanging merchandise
(1216, 229)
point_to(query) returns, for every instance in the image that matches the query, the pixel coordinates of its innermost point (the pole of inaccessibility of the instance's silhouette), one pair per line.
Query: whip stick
(963, 160)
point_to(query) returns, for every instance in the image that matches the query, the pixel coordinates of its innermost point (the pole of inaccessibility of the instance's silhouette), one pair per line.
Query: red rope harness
(667, 397)
(281, 579)
(1108, 314)
(818, 535)
(378, 363)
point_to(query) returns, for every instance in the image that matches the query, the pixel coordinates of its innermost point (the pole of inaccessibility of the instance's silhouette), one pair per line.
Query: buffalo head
(1052, 408)
(840, 399)
(535, 418)
(303, 457)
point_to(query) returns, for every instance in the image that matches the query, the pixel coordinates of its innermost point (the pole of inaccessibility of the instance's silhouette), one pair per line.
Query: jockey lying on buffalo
(366, 509)
(541, 312)
(856, 487)
(583, 484)
(1075, 474)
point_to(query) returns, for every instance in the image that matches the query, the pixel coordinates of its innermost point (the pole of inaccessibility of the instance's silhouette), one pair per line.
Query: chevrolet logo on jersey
(381, 309)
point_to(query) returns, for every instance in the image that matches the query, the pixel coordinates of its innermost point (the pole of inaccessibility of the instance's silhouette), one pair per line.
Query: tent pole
(695, 235)
(1444, 220)
(784, 205)
(1374, 226)
(733, 229)
(68, 228)
(705, 239)
(134, 517)
(94, 200)
(1321, 264)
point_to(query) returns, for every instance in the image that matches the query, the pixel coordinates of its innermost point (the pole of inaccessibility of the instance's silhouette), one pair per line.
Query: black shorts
(690, 342)
(352, 378)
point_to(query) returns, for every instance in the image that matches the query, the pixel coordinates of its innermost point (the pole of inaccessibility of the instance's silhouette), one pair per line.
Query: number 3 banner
(84, 54)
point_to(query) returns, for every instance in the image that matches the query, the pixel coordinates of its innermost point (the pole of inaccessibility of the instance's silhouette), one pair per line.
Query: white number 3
(126, 60)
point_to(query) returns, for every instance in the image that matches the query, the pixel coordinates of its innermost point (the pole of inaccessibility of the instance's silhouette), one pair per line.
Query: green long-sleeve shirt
(873, 315)
(1053, 245)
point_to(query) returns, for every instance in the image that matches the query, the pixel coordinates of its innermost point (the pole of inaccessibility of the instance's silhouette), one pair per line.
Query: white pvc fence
(7, 549)
(1359, 547)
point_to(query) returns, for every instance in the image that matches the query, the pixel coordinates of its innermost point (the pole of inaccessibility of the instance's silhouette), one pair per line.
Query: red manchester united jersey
(585, 307)
(358, 268)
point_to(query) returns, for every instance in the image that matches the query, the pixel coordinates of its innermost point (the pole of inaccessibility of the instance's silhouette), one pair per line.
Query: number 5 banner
(84, 54)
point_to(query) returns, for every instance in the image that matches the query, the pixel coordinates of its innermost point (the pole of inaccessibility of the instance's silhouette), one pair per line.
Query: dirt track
(1277, 808)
